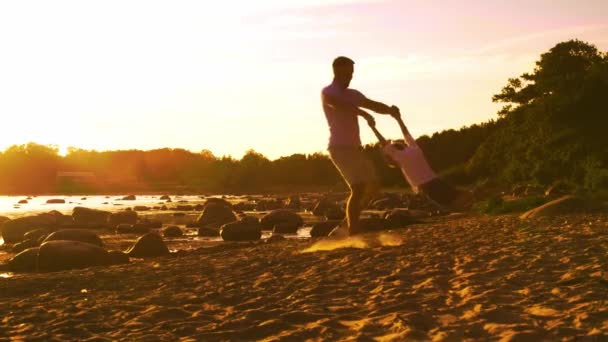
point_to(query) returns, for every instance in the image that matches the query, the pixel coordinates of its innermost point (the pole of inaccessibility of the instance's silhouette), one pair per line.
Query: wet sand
(456, 278)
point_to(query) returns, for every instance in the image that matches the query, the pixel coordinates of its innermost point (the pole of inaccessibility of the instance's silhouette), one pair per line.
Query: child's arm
(372, 124)
(406, 134)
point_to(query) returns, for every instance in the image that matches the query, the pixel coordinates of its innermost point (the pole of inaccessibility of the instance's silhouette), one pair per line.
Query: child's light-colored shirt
(412, 162)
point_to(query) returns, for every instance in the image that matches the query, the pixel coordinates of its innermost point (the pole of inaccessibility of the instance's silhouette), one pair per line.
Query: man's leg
(354, 206)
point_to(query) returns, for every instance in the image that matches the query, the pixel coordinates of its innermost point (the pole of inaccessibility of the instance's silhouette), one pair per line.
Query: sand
(460, 278)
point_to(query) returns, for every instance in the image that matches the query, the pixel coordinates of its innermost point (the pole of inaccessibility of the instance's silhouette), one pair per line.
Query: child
(410, 159)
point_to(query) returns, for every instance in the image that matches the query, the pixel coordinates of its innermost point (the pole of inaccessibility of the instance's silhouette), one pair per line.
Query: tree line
(552, 128)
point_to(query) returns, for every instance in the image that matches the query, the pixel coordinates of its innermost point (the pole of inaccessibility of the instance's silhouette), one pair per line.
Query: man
(342, 109)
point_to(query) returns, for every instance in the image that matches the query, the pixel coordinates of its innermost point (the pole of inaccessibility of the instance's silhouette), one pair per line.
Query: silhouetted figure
(418, 173)
(342, 109)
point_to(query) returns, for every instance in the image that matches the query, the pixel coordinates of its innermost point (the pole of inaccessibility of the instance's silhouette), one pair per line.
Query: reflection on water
(6, 275)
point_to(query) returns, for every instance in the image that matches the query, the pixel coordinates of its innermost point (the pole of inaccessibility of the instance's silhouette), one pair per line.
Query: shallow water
(10, 207)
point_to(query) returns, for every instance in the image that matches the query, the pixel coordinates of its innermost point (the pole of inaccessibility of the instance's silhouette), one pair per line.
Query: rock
(268, 204)
(65, 255)
(208, 232)
(244, 206)
(184, 207)
(25, 244)
(147, 223)
(3, 219)
(285, 228)
(126, 217)
(322, 229)
(275, 238)
(13, 230)
(37, 235)
(118, 257)
(23, 201)
(172, 231)
(564, 205)
(280, 216)
(370, 224)
(163, 207)
(335, 213)
(293, 202)
(399, 218)
(389, 201)
(148, 245)
(220, 201)
(141, 208)
(250, 220)
(90, 217)
(241, 231)
(216, 214)
(322, 206)
(81, 235)
(129, 198)
(24, 261)
(55, 201)
(165, 197)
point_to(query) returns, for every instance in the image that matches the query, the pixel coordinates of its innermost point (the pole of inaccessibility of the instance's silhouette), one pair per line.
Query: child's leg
(446, 195)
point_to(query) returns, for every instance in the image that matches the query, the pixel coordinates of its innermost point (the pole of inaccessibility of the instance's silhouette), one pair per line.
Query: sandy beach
(455, 278)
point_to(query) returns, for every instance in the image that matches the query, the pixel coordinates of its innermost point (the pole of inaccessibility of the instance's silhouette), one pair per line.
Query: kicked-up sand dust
(453, 279)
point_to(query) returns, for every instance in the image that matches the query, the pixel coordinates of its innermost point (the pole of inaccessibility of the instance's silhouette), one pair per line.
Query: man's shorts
(353, 164)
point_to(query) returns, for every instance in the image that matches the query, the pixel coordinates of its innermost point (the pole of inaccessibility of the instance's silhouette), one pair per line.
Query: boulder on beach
(13, 230)
(82, 235)
(65, 255)
(285, 228)
(372, 224)
(25, 261)
(293, 202)
(216, 214)
(165, 197)
(23, 201)
(37, 234)
(129, 198)
(118, 257)
(335, 213)
(148, 245)
(141, 208)
(322, 229)
(172, 231)
(208, 232)
(281, 216)
(241, 231)
(220, 201)
(90, 217)
(275, 238)
(25, 244)
(564, 205)
(3, 219)
(399, 218)
(126, 217)
(322, 206)
(55, 201)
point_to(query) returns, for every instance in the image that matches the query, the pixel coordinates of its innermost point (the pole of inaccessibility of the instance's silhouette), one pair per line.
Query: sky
(229, 76)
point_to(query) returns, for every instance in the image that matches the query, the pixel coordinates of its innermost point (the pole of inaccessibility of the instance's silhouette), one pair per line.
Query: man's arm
(379, 107)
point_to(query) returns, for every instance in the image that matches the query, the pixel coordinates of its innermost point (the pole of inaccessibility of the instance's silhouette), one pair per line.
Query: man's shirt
(343, 124)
